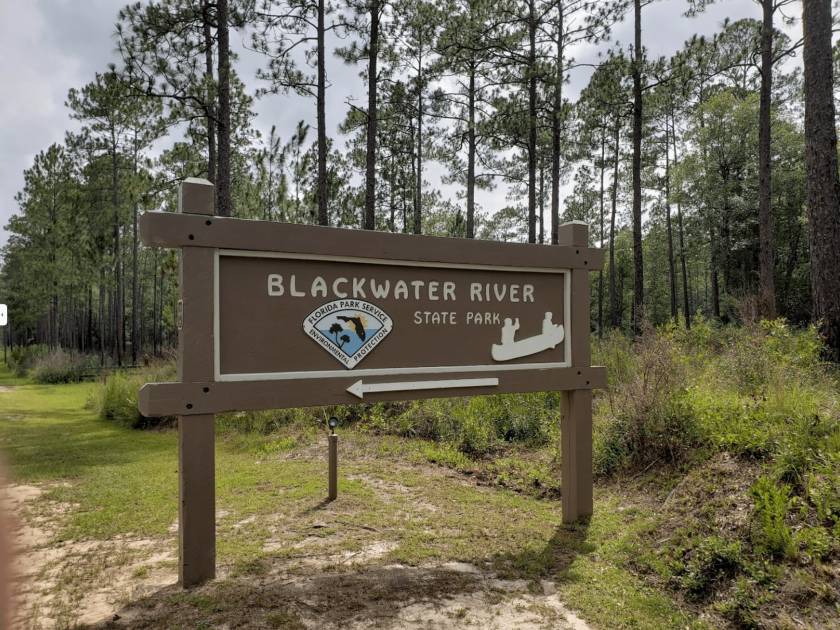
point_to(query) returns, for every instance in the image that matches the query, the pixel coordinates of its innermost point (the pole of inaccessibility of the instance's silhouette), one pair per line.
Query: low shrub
(263, 422)
(269, 421)
(770, 533)
(61, 366)
(822, 489)
(812, 544)
(475, 426)
(713, 559)
(445, 455)
(759, 356)
(732, 423)
(803, 446)
(705, 337)
(115, 399)
(647, 418)
(740, 607)
(615, 352)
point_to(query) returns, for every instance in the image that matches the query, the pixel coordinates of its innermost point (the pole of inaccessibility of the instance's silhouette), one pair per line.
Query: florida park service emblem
(348, 329)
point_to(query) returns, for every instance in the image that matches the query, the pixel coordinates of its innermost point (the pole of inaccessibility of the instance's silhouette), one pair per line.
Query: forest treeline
(710, 176)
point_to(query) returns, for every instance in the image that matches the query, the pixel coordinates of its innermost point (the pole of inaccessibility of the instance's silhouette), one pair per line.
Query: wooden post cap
(196, 196)
(573, 233)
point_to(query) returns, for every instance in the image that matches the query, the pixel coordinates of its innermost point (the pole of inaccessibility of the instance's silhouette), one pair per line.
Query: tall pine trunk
(223, 193)
(672, 274)
(601, 243)
(101, 316)
(713, 242)
(323, 216)
(638, 262)
(542, 202)
(822, 182)
(614, 316)
(136, 343)
(685, 286)
(89, 321)
(162, 289)
(471, 154)
(392, 195)
(767, 290)
(118, 276)
(556, 129)
(418, 191)
(208, 78)
(369, 222)
(154, 302)
(532, 122)
(135, 293)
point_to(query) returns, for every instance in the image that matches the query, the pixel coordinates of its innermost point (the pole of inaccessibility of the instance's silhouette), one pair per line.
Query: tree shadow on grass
(317, 507)
(331, 597)
(372, 595)
(547, 560)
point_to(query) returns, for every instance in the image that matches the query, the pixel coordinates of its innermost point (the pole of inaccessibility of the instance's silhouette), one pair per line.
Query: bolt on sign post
(275, 315)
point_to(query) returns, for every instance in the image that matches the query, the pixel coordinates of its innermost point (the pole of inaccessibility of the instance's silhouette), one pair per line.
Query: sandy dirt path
(131, 582)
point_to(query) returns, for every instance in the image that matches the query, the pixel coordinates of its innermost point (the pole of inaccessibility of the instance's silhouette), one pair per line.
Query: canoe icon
(552, 334)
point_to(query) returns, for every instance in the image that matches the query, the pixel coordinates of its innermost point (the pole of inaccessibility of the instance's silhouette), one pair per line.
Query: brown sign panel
(282, 317)
(295, 315)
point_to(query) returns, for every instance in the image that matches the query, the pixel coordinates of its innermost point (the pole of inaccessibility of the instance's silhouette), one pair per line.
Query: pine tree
(282, 28)
(366, 22)
(822, 182)
(469, 44)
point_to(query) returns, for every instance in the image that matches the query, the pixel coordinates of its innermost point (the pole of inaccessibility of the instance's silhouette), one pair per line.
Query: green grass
(271, 488)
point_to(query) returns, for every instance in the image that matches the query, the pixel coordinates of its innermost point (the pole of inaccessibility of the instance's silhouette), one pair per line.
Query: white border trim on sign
(444, 369)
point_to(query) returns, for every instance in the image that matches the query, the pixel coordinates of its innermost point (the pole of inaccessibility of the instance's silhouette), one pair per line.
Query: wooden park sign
(275, 315)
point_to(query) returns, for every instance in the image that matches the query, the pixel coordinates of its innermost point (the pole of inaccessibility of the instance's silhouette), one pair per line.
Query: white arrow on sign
(360, 388)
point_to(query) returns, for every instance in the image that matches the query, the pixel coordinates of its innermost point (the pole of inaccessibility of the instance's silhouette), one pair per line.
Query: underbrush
(61, 366)
(645, 418)
(477, 426)
(20, 359)
(116, 397)
(759, 397)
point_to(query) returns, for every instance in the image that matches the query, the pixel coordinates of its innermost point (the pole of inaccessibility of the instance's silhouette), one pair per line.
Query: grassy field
(403, 535)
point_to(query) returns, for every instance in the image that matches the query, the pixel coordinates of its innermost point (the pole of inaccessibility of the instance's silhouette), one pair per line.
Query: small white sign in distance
(360, 388)
(4, 315)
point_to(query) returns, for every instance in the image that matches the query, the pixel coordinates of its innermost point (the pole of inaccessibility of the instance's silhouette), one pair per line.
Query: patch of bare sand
(498, 605)
(64, 583)
(5, 389)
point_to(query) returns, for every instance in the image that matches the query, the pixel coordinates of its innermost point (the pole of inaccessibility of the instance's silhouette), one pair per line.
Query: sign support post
(332, 489)
(576, 408)
(196, 433)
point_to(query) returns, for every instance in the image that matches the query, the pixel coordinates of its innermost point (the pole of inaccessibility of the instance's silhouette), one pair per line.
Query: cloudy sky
(50, 46)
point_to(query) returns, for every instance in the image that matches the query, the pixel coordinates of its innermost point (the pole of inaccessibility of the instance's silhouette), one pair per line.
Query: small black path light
(333, 457)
